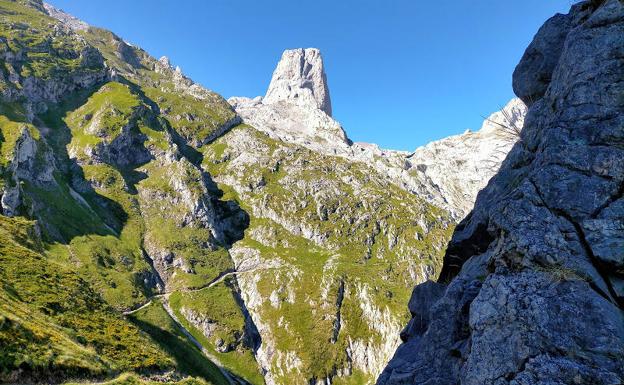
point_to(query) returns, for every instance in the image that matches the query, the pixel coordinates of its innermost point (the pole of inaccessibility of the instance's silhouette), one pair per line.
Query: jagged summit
(296, 107)
(299, 78)
(67, 19)
(447, 173)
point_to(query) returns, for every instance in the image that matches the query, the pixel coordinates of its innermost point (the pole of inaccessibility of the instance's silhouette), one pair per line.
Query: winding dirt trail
(212, 283)
(233, 380)
(228, 376)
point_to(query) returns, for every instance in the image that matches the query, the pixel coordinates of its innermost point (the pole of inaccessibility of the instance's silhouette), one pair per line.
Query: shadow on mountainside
(64, 214)
(169, 336)
(66, 217)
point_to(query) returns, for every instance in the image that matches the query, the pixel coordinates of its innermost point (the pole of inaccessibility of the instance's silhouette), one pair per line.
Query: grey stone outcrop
(535, 272)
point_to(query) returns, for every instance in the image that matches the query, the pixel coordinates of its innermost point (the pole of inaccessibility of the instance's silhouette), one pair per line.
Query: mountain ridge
(292, 120)
(209, 244)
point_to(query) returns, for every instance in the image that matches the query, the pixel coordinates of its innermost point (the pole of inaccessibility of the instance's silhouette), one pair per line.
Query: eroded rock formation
(300, 78)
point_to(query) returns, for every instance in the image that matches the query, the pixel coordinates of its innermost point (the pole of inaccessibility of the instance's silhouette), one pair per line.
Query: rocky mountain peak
(65, 18)
(299, 78)
(296, 107)
(508, 121)
(164, 60)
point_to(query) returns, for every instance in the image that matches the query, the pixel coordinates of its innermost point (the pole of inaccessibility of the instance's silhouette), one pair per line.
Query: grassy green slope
(321, 224)
(163, 329)
(132, 379)
(66, 277)
(54, 325)
(116, 180)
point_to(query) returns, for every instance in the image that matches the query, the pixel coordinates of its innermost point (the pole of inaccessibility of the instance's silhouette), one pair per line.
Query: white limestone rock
(297, 106)
(65, 18)
(447, 173)
(300, 79)
(291, 123)
(461, 165)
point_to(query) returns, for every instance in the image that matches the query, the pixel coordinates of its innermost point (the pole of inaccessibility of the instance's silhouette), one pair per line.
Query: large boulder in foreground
(535, 273)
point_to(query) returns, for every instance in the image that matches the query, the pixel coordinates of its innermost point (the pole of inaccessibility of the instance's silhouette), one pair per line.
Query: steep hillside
(532, 286)
(95, 141)
(338, 230)
(327, 257)
(149, 236)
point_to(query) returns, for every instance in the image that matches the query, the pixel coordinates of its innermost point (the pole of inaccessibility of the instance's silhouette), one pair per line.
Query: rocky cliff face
(300, 79)
(446, 173)
(531, 289)
(297, 106)
(460, 166)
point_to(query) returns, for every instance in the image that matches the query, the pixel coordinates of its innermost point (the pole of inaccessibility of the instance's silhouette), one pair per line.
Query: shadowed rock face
(535, 272)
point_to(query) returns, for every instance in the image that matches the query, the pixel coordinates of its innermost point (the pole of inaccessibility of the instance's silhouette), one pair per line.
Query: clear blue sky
(401, 72)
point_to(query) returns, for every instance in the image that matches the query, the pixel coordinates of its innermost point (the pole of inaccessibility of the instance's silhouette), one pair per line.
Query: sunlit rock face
(300, 79)
(447, 173)
(461, 165)
(533, 276)
(296, 107)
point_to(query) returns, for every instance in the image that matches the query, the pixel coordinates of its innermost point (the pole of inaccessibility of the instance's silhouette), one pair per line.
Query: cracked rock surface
(534, 273)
